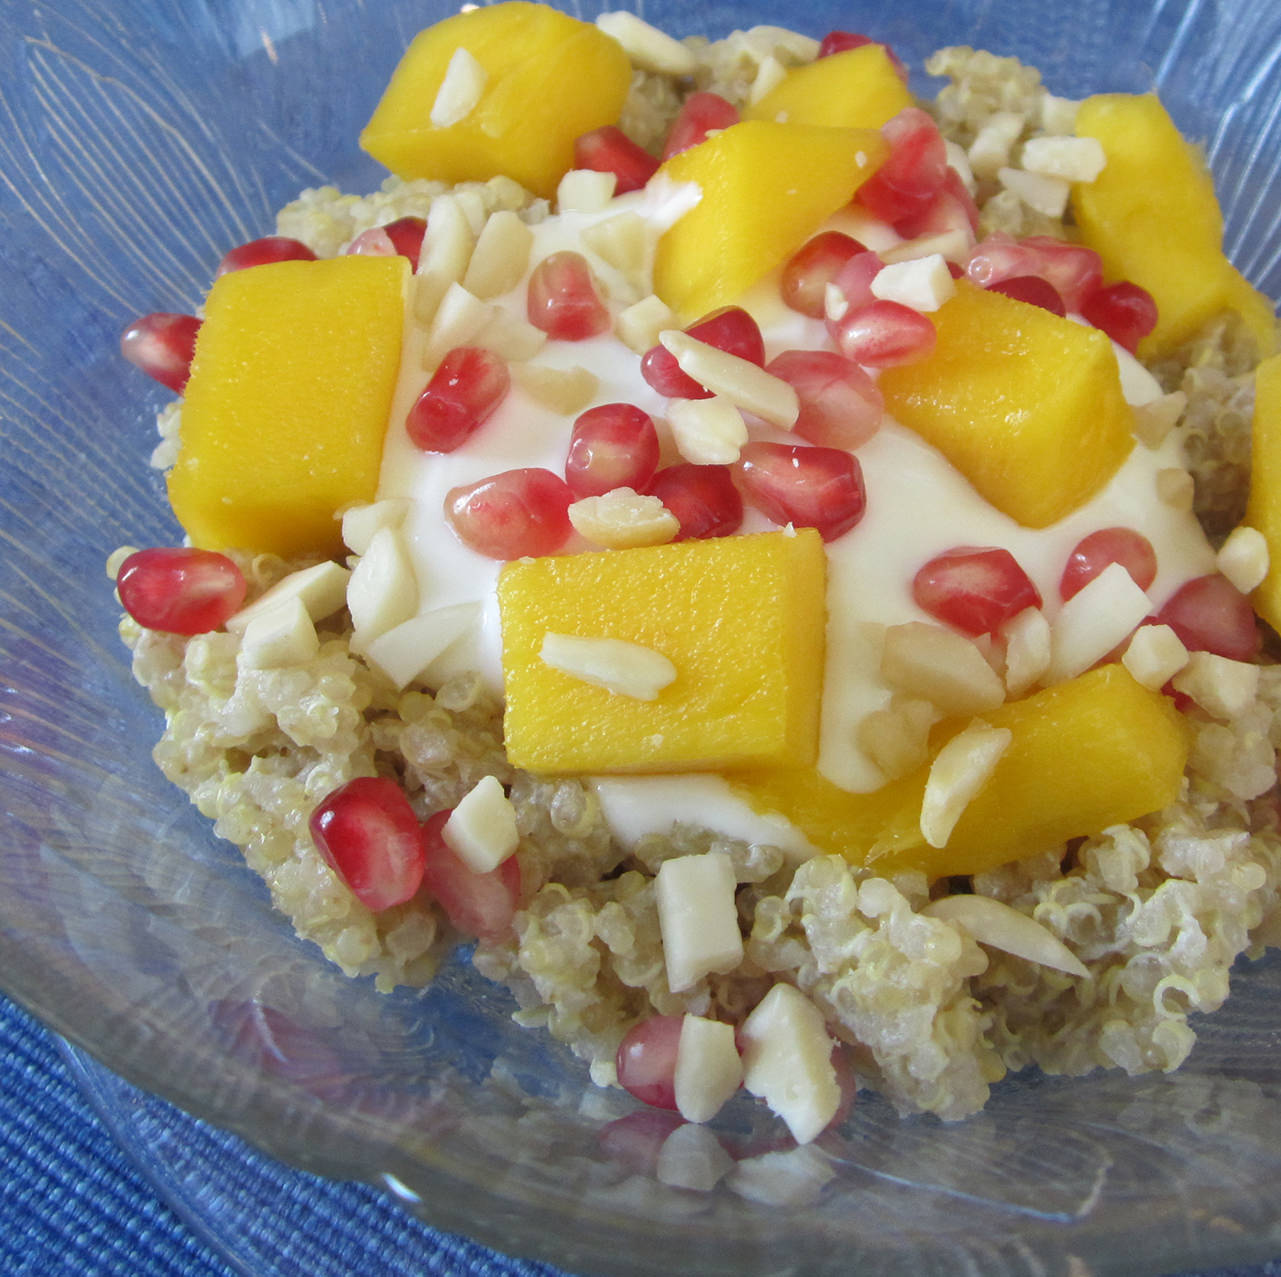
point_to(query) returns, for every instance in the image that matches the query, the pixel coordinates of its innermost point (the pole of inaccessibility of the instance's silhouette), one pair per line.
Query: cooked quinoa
(1158, 911)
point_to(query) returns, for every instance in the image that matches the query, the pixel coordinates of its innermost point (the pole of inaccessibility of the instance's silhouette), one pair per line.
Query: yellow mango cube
(1153, 217)
(855, 89)
(1092, 752)
(742, 620)
(545, 79)
(1264, 508)
(286, 410)
(766, 188)
(1026, 405)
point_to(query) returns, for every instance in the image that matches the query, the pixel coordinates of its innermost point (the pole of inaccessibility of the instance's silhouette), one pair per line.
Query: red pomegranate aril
(1126, 312)
(406, 235)
(853, 280)
(610, 150)
(883, 335)
(730, 329)
(375, 242)
(467, 386)
(952, 209)
(812, 267)
(614, 445)
(843, 41)
(976, 589)
(512, 514)
(702, 113)
(162, 344)
(369, 836)
(180, 590)
(808, 487)
(646, 1060)
(999, 257)
(260, 252)
(478, 904)
(841, 406)
(1031, 289)
(1131, 549)
(1209, 614)
(1075, 271)
(914, 172)
(703, 498)
(562, 299)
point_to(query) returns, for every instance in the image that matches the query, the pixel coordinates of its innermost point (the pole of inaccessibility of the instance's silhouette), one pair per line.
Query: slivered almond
(406, 651)
(622, 518)
(321, 588)
(1027, 650)
(896, 736)
(1224, 688)
(584, 190)
(622, 241)
(992, 922)
(770, 73)
(501, 256)
(1097, 618)
(278, 636)
(1154, 655)
(1048, 195)
(627, 669)
(1175, 488)
(960, 769)
(565, 390)
(647, 47)
(638, 326)
(458, 319)
(460, 90)
(1074, 159)
(707, 432)
(447, 248)
(360, 522)
(954, 246)
(993, 143)
(923, 283)
(740, 381)
(481, 830)
(940, 666)
(1244, 558)
(1154, 420)
(510, 337)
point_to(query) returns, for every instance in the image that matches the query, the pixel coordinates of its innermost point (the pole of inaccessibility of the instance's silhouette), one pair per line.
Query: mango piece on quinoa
(1092, 752)
(1153, 217)
(1026, 405)
(855, 89)
(740, 618)
(286, 410)
(765, 189)
(521, 82)
(1264, 508)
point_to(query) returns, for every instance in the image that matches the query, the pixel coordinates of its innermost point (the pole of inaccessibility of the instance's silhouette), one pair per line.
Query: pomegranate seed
(883, 334)
(812, 267)
(952, 209)
(1210, 614)
(1031, 289)
(808, 487)
(1126, 312)
(259, 252)
(162, 345)
(1075, 271)
(730, 329)
(999, 257)
(464, 391)
(478, 904)
(974, 588)
(375, 242)
(914, 171)
(610, 150)
(369, 836)
(841, 406)
(406, 235)
(180, 590)
(842, 41)
(512, 514)
(702, 113)
(703, 498)
(646, 1060)
(562, 300)
(853, 280)
(614, 445)
(1131, 549)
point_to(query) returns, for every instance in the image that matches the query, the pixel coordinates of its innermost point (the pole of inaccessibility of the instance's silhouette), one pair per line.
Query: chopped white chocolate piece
(459, 91)
(770, 73)
(1244, 559)
(1154, 656)
(442, 260)
(406, 651)
(697, 917)
(585, 190)
(941, 666)
(322, 589)
(1101, 615)
(994, 143)
(923, 283)
(1074, 159)
(896, 736)
(691, 1157)
(510, 337)
(1027, 651)
(960, 769)
(1048, 195)
(383, 590)
(638, 326)
(458, 319)
(360, 522)
(744, 383)
(623, 242)
(564, 390)
(1175, 487)
(708, 1068)
(646, 46)
(1154, 420)
(707, 432)
(622, 518)
(279, 636)
(787, 1061)
(501, 256)
(992, 922)
(1224, 688)
(1058, 115)
(481, 830)
(627, 669)
(953, 246)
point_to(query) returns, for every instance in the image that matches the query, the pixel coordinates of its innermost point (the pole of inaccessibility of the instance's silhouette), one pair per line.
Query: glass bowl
(138, 140)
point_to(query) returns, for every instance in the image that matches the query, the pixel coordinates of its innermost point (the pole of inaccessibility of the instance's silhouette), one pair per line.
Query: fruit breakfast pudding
(770, 561)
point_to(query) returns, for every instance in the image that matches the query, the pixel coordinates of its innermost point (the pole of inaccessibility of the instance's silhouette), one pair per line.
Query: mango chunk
(1153, 217)
(856, 89)
(742, 620)
(766, 188)
(286, 410)
(1026, 405)
(1085, 754)
(1264, 508)
(547, 78)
